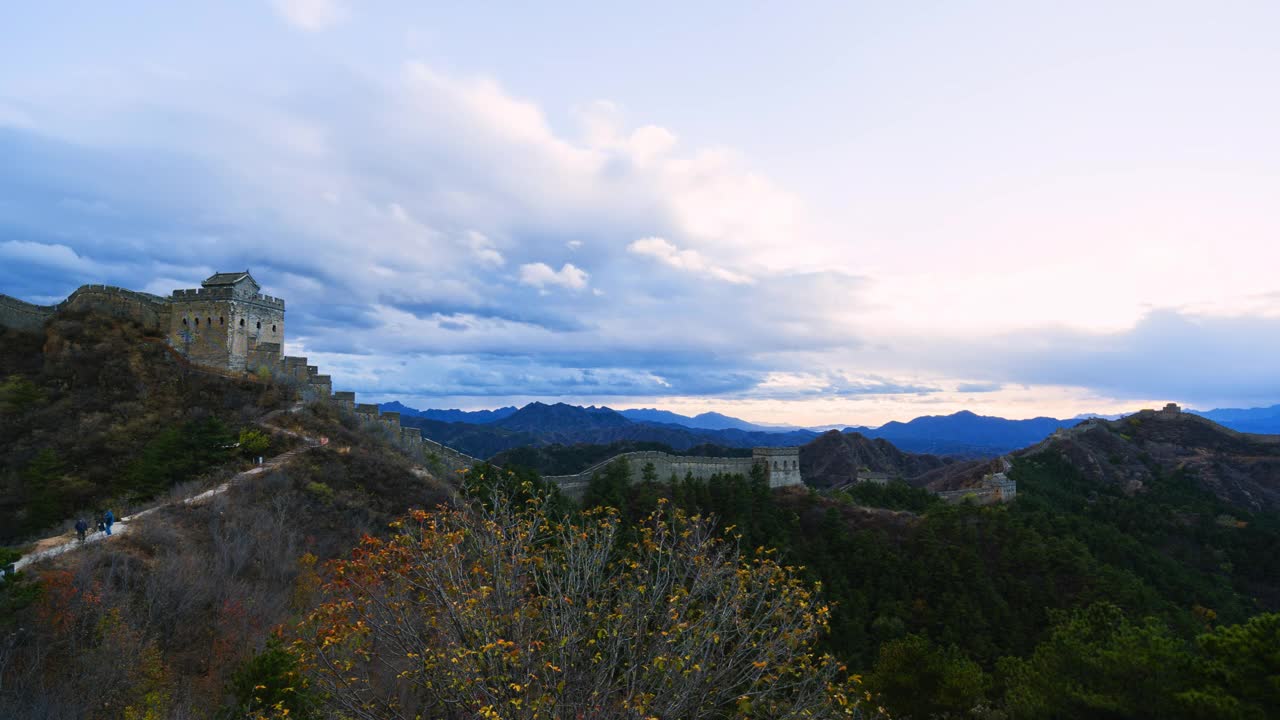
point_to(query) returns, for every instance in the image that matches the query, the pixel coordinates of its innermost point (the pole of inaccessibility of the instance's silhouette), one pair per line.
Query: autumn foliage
(503, 611)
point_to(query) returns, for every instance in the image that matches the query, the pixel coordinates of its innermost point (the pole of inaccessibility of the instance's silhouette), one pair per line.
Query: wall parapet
(22, 315)
(224, 293)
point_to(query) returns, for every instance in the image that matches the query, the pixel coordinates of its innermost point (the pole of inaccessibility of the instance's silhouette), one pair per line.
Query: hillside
(1238, 468)
(156, 621)
(835, 458)
(95, 409)
(1067, 597)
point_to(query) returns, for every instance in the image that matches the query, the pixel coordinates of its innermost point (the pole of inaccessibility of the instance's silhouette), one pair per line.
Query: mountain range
(1262, 421)
(539, 424)
(960, 435)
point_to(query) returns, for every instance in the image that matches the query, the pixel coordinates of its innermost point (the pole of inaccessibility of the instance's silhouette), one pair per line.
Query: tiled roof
(229, 278)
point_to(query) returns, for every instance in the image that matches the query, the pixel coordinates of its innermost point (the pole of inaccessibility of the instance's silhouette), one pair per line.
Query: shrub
(500, 611)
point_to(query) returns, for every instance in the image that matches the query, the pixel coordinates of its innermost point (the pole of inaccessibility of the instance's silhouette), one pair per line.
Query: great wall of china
(229, 327)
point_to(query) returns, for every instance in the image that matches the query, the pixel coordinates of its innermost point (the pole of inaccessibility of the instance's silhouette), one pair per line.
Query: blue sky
(810, 213)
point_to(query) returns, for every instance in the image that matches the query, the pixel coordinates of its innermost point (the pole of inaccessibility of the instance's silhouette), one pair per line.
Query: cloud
(979, 387)
(310, 15)
(483, 249)
(540, 275)
(1199, 360)
(406, 215)
(685, 260)
(57, 257)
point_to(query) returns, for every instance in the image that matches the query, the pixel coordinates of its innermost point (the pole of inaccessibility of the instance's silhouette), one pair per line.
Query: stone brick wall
(701, 468)
(19, 315)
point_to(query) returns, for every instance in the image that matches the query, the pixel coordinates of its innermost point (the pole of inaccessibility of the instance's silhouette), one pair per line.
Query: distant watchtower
(781, 464)
(228, 323)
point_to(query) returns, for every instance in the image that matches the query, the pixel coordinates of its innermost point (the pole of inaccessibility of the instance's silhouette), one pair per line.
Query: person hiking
(82, 526)
(107, 520)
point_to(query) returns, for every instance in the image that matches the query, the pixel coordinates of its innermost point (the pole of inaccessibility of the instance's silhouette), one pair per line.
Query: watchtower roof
(229, 279)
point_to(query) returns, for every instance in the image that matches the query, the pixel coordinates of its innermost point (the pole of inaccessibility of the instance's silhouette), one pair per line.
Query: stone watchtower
(228, 323)
(781, 464)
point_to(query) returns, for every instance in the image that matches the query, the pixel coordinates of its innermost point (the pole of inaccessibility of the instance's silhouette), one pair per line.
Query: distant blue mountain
(1263, 421)
(964, 433)
(467, 416)
(703, 421)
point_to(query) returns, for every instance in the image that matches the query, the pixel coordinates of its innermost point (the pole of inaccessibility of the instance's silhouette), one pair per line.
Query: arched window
(208, 321)
(197, 322)
(259, 324)
(184, 322)
(775, 464)
(241, 322)
(273, 328)
(222, 320)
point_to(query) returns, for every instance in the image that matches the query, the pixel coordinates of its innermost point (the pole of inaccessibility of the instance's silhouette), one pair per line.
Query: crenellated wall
(19, 315)
(665, 466)
(227, 327)
(781, 467)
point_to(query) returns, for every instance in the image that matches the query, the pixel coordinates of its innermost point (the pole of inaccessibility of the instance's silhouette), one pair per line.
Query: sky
(810, 213)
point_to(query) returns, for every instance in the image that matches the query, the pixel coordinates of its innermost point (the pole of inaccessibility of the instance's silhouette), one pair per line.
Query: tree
(914, 678)
(498, 611)
(253, 442)
(270, 685)
(18, 394)
(1096, 663)
(608, 487)
(649, 473)
(1241, 668)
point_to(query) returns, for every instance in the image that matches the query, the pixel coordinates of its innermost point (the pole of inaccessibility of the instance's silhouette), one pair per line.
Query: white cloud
(540, 275)
(687, 260)
(573, 244)
(59, 257)
(483, 251)
(310, 15)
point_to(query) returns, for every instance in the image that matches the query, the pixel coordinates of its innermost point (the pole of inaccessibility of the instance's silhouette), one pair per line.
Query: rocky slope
(1239, 468)
(835, 458)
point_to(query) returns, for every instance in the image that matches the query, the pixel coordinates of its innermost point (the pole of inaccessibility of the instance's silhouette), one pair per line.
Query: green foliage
(253, 442)
(320, 490)
(1097, 663)
(913, 678)
(17, 591)
(176, 454)
(485, 481)
(1240, 671)
(271, 684)
(18, 395)
(609, 487)
(895, 495)
(649, 473)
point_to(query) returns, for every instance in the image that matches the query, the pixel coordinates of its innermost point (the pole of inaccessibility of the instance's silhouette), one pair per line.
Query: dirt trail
(66, 542)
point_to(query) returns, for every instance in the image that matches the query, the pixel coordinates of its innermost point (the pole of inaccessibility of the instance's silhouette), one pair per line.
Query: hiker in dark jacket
(107, 520)
(82, 526)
